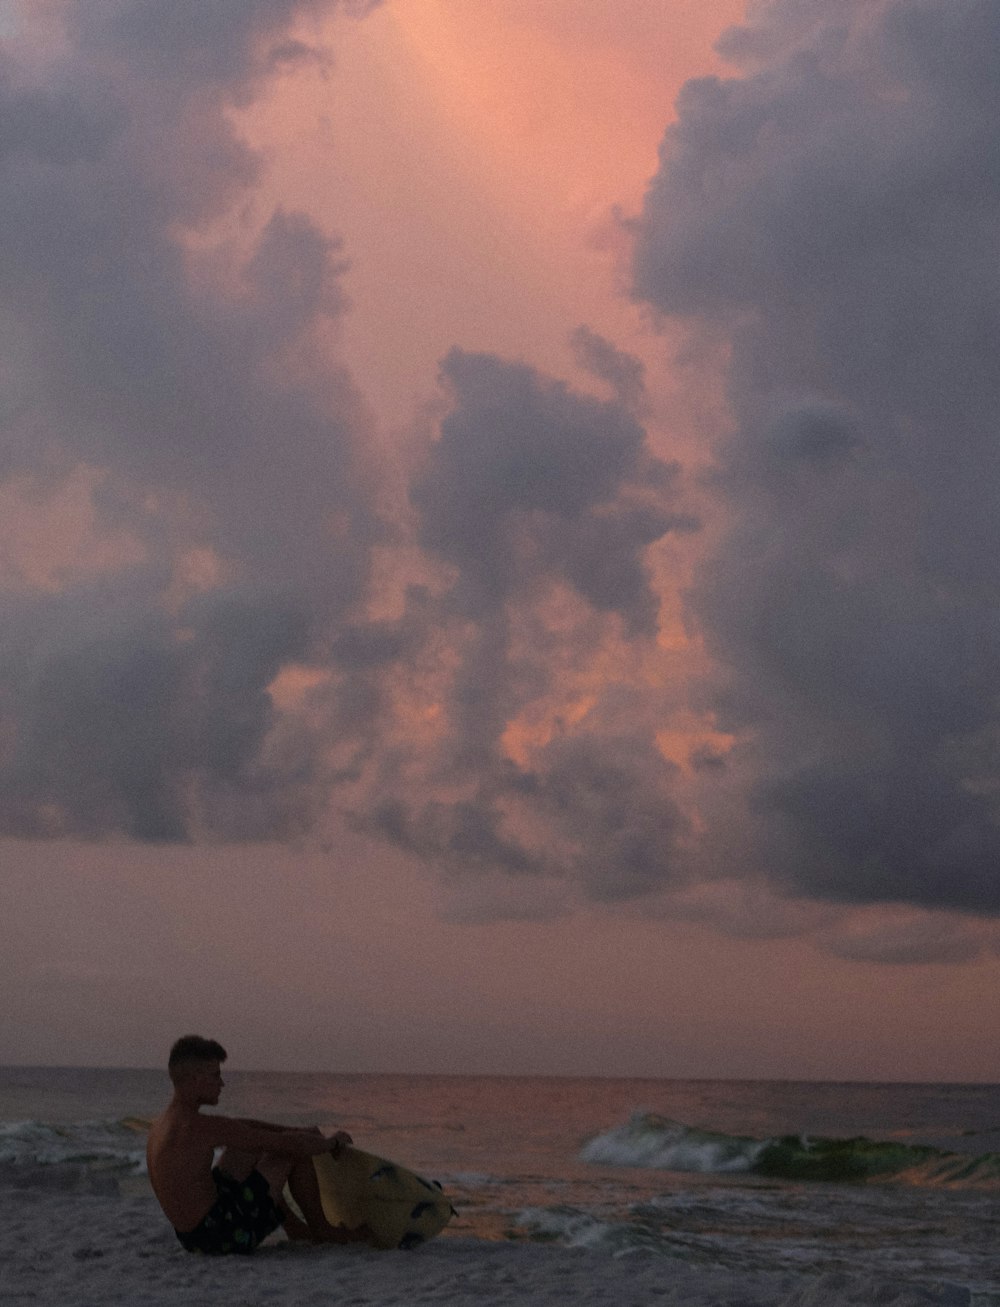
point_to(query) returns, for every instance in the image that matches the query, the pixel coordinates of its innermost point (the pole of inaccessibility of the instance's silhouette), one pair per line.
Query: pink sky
(478, 162)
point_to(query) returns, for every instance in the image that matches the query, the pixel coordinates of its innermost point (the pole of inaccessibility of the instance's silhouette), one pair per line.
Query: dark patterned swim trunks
(243, 1215)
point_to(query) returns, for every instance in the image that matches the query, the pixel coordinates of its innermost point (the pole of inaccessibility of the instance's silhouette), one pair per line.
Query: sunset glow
(497, 540)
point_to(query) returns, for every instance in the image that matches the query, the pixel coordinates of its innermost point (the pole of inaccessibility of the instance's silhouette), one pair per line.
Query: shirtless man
(231, 1207)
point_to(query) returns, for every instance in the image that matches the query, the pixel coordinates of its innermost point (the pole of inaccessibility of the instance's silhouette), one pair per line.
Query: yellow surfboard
(401, 1209)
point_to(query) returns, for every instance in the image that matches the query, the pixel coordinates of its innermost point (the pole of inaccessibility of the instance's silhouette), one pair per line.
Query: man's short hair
(192, 1049)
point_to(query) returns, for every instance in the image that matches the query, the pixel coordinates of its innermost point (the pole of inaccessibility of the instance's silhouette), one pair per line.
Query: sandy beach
(75, 1250)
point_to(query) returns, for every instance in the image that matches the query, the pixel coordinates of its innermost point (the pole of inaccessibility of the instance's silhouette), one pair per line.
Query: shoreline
(66, 1249)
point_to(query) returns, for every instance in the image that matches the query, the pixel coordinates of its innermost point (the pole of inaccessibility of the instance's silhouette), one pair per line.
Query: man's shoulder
(209, 1125)
(179, 1120)
(159, 1123)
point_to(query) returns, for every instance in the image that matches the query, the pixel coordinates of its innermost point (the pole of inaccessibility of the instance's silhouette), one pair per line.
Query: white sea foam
(93, 1144)
(565, 1225)
(655, 1141)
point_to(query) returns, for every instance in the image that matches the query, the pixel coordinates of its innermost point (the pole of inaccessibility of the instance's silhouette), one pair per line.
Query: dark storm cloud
(530, 480)
(611, 828)
(129, 706)
(52, 126)
(220, 42)
(833, 214)
(531, 491)
(226, 681)
(610, 798)
(158, 737)
(624, 373)
(920, 942)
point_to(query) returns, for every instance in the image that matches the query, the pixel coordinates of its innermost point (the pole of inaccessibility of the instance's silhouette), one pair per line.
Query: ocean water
(898, 1181)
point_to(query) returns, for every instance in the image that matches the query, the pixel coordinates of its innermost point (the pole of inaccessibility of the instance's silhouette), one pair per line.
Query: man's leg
(279, 1169)
(300, 1177)
(237, 1166)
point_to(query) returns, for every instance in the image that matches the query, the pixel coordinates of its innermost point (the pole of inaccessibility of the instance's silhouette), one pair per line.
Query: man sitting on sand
(232, 1206)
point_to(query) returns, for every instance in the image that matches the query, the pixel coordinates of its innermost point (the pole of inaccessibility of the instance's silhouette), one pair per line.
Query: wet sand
(78, 1250)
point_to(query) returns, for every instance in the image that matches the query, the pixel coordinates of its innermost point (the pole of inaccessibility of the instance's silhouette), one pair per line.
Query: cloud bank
(831, 215)
(233, 616)
(163, 356)
(228, 666)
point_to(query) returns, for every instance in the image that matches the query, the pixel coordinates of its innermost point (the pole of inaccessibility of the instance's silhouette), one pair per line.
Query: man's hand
(338, 1142)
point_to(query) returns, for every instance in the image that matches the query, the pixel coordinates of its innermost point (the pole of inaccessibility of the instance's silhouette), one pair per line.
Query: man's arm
(339, 1139)
(264, 1137)
(270, 1125)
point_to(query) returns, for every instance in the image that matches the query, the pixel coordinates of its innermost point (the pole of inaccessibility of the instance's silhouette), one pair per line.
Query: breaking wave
(86, 1156)
(652, 1141)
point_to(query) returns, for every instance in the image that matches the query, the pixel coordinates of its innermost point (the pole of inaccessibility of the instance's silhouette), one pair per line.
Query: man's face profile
(207, 1082)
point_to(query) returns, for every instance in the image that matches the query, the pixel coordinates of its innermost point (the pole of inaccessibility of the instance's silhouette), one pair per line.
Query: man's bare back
(181, 1149)
(179, 1159)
